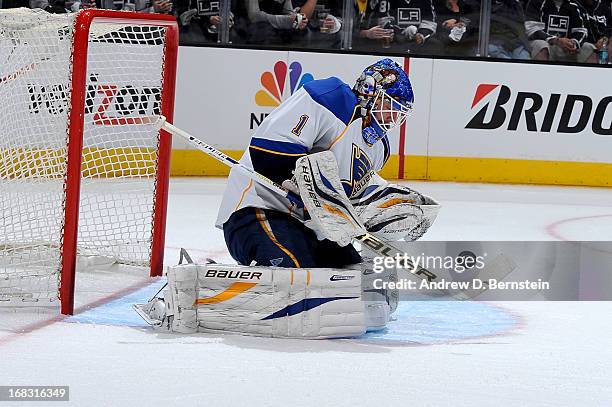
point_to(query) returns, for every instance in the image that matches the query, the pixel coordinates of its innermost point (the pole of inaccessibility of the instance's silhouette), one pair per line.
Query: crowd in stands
(555, 30)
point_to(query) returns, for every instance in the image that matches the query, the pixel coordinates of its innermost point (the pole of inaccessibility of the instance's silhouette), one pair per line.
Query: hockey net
(74, 145)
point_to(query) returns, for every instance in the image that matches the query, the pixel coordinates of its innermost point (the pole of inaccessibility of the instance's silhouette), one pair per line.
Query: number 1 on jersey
(300, 125)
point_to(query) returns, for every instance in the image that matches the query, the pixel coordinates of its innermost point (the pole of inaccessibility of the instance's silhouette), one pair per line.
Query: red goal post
(79, 73)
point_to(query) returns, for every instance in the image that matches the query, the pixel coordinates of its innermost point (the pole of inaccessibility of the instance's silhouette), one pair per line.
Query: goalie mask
(385, 95)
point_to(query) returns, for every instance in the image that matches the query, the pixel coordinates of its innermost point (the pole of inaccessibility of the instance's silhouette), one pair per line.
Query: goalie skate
(154, 313)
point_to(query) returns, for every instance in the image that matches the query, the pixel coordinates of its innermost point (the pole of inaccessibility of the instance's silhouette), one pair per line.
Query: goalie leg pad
(278, 302)
(180, 296)
(376, 315)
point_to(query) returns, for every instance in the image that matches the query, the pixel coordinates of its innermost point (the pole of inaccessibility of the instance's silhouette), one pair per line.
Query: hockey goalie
(298, 273)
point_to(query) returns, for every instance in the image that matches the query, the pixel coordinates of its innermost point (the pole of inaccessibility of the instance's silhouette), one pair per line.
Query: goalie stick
(375, 244)
(229, 161)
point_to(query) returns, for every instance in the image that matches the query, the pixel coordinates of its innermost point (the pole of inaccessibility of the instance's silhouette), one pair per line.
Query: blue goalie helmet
(385, 96)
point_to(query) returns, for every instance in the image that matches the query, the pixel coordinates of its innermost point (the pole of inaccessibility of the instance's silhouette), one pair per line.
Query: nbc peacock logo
(273, 83)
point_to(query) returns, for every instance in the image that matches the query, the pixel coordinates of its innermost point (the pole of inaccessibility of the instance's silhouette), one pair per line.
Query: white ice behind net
(124, 79)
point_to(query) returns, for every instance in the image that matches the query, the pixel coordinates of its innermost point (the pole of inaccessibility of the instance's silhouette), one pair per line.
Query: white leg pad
(376, 315)
(180, 296)
(269, 301)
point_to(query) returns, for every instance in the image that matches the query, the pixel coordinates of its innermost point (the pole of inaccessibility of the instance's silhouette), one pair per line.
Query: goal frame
(76, 117)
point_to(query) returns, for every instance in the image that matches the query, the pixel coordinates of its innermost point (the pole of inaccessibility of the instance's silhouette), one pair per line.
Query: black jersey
(507, 23)
(597, 16)
(549, 19)
(272, 6)
(401, 13)
(204, 8)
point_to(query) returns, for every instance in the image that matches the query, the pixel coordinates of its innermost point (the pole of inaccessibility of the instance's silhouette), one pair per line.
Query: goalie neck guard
(385, 95)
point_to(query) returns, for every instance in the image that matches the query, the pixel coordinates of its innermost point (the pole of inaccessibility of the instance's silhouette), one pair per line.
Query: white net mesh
(119, 159)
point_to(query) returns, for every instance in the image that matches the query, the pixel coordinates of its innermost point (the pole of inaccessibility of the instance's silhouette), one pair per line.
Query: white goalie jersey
(322, 115)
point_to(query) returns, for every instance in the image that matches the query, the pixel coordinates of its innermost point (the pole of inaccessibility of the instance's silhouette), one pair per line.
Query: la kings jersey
(403, 13)
(548, 19)
(320, 116)
(597, 18)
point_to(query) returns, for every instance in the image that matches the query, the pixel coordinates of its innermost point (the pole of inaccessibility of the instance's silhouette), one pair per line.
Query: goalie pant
(269, 301)
(273, 238)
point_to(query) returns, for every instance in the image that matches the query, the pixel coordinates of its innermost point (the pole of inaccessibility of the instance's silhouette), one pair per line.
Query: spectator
(14, 3)
(160, 6)
(324, 22)
(456, 30)
(142, 6)
(368, 31)
(53, 6)
(556, 31)
(397, 25)
(507, 34)
(200, 21)
(275, 22)
(598, 21)
(306, 7)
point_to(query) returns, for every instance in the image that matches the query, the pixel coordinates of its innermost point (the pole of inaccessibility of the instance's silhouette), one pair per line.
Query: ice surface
(434, 354)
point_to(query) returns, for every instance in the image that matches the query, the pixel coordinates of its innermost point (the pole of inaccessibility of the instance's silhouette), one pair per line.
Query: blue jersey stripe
(387, 149)
(335, 96)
